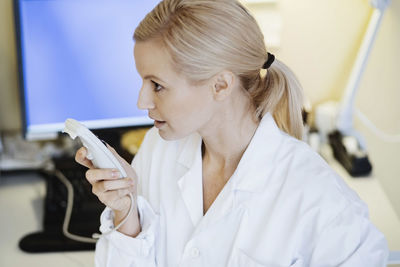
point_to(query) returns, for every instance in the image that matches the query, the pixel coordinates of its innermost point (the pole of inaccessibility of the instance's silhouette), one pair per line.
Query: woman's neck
(227, 137)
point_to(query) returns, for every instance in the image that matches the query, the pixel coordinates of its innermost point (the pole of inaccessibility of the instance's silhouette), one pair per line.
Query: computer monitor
(76, 61)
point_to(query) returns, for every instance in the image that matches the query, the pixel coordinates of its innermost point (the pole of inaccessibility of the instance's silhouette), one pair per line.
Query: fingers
(110, 189)
(107, 184)
(117, 199)
(96, 175)
(80, 157)
(112, 185)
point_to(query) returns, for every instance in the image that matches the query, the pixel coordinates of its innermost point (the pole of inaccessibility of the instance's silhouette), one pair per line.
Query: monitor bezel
(21, 83)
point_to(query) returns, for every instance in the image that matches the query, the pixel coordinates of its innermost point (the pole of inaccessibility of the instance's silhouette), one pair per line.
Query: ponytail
(280, 93)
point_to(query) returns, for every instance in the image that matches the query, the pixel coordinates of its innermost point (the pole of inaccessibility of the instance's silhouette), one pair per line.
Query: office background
(319, 41)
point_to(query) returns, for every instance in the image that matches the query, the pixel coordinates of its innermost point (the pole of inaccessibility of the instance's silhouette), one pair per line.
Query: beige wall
(319, 42)
(9, 97)
(379, 99)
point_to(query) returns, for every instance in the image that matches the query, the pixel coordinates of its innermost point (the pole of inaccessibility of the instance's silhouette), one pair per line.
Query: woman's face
(177, 107)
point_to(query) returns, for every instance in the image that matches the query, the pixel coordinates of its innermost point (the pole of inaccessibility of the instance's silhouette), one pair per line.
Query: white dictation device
(101, 157)
(98, 153)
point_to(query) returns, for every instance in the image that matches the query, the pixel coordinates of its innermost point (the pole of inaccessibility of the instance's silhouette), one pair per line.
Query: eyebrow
(153, 77)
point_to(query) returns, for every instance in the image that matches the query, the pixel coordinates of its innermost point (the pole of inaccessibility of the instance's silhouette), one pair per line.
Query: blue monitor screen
(77, 62)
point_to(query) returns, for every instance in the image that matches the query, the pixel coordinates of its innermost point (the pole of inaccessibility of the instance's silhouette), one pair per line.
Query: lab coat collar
(267, 136)
(256, 164)
(250, 176)
(191, 182)
(189, 149)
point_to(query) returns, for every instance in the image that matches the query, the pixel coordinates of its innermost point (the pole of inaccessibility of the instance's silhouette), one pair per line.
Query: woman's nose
(145, 99)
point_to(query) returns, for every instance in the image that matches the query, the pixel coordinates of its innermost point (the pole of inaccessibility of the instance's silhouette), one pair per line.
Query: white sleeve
(117, 249)
(350, 240)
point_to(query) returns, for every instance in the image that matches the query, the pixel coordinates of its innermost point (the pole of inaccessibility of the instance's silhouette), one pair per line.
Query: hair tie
(270, 60)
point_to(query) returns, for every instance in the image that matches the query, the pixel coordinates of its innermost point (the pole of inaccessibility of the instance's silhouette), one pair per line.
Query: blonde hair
(204, 37)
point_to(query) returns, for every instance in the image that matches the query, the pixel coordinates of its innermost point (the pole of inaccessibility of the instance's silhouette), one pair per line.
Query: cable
(384, 136)
(68, 212)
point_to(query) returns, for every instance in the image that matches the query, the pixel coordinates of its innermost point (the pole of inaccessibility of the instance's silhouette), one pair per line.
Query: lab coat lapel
(190, 184)
(221, 207)
(191, 187)
(251, 175)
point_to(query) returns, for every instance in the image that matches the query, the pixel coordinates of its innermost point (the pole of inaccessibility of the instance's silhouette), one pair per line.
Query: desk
(21, 202)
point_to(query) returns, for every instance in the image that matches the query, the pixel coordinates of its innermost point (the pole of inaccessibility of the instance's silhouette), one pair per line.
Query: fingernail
(131, 182)
(115, 174)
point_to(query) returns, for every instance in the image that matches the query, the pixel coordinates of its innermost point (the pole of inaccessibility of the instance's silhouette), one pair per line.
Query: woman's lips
(158, 124)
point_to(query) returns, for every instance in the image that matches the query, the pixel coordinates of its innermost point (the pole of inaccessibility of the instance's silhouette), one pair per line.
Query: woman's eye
(157, 87)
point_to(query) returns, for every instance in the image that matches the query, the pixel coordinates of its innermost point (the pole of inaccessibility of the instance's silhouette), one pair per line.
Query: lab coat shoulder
(331, 217)
(307, 174)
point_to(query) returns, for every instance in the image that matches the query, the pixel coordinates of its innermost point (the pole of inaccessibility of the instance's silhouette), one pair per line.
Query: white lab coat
(283, 206)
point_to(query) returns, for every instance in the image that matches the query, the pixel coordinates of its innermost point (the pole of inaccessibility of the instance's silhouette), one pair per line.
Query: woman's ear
(223, 84)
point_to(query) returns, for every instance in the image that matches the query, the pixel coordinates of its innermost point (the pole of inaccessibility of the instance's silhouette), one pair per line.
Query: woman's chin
(168, 135)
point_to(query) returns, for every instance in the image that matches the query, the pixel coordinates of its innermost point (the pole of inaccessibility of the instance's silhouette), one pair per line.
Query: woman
(222, 179)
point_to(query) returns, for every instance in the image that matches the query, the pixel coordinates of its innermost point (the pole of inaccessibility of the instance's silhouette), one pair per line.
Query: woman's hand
(112, 190)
